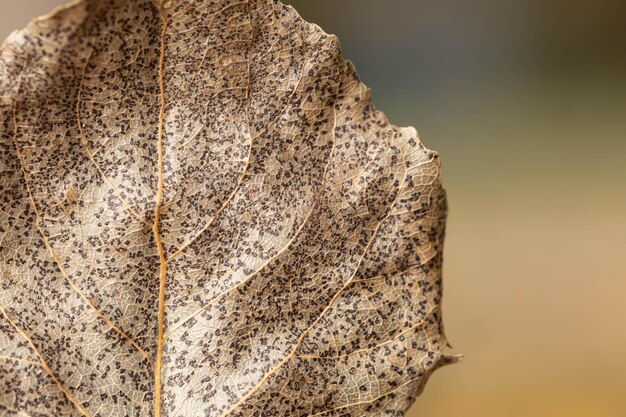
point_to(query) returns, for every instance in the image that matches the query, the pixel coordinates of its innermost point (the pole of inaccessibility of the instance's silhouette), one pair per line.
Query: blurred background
(526, 102)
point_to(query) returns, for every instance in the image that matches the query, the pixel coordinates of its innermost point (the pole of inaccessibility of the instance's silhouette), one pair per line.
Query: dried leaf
(202, 214)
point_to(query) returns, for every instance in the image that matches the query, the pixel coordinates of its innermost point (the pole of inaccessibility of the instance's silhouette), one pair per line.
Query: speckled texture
(202, 214)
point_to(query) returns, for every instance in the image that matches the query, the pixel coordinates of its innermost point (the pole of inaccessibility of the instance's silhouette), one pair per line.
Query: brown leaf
(202, 214)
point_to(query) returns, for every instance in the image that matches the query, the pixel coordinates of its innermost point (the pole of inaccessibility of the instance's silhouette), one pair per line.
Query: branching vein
(70, 281)
(303, 335)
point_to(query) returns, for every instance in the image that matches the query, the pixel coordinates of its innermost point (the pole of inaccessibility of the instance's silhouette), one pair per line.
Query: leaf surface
(203, 214)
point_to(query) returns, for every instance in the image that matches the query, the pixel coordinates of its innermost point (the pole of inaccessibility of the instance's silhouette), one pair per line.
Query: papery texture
(202, 214)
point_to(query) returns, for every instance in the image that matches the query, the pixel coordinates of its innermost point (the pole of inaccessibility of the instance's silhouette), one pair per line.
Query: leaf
(202, 214)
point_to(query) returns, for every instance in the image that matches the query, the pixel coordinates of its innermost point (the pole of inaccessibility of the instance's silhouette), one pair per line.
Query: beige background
(526, 101)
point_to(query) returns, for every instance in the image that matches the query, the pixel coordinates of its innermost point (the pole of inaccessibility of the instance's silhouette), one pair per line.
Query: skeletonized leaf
(202, 214)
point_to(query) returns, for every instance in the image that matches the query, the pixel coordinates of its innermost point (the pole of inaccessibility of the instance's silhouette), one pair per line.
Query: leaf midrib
(157, 213)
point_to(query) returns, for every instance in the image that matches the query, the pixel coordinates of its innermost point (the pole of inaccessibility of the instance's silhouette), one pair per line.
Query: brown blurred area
(526, 102)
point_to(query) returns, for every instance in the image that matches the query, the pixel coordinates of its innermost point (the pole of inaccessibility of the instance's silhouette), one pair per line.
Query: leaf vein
(91, 156)
(398, 388)
(291, 354)
(387, 342)
(44, 365)
(71, 282)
